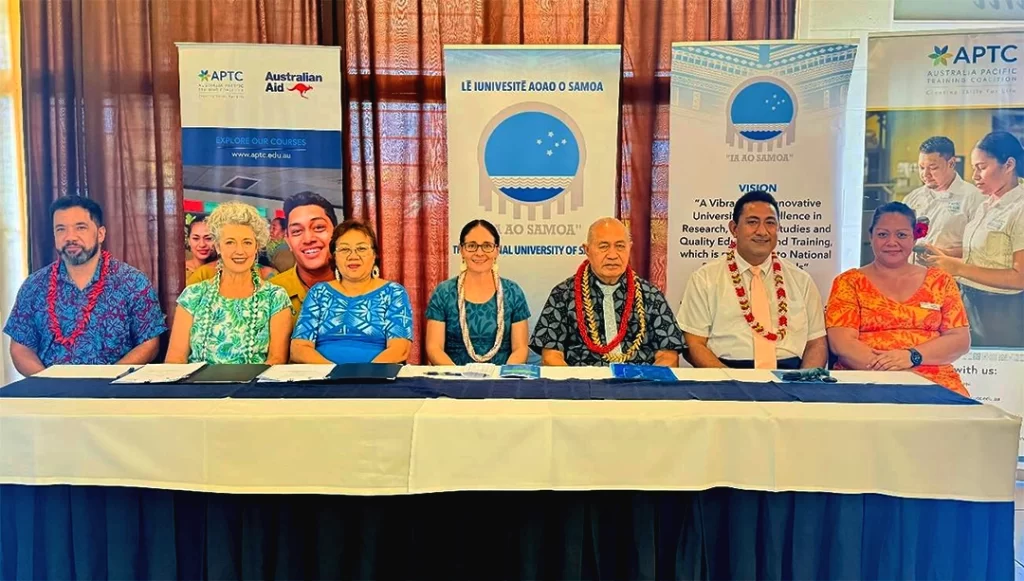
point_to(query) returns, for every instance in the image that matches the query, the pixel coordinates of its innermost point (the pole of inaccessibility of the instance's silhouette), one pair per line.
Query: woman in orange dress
(894, 315)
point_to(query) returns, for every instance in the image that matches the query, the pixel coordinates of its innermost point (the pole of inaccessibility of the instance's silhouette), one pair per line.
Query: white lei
(499, 335)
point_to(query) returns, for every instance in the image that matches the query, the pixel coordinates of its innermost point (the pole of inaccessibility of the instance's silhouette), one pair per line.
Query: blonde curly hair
(239, 214)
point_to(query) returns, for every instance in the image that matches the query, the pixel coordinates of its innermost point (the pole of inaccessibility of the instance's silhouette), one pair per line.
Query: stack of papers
(297, 372)
(86, 371)
(161, 373)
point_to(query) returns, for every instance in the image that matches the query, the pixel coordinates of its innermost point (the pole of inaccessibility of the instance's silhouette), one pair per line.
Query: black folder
(227, 373)
(364, 372)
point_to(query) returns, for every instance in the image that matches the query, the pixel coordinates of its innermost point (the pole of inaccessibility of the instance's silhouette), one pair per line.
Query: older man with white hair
(605, 313)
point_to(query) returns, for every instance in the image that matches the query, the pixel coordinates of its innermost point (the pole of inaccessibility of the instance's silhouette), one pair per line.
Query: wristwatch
(915, 357)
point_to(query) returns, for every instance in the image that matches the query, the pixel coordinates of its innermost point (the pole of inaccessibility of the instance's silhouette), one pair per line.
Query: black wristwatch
(915, 357)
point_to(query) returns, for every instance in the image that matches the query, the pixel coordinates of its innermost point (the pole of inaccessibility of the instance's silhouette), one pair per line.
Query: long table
(742, 477)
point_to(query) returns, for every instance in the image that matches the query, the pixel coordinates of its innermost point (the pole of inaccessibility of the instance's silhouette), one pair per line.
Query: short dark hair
(196, 220)
(751, 197)
(485, 225)
(308, 199)
(360, 226)
(939, 144)
(68, 202)
(892, 208)
(281, 222)
(1003, 146)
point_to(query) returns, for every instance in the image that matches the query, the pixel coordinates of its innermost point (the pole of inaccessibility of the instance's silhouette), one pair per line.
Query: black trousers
(789, 363)
(997, 320)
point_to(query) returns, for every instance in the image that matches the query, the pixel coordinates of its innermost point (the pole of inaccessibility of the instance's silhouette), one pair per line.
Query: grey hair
(239, 214)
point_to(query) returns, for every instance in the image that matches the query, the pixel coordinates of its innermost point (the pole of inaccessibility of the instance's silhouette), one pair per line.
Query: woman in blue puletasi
(359, 317)
(478, 316)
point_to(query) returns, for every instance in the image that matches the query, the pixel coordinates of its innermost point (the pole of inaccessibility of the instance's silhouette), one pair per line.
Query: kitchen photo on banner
(259, 123)
(532, 148)
(944, 122)
(757, 116)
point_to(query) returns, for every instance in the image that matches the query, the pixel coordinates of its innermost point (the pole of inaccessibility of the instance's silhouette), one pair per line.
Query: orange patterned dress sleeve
(954, 315)
(885, 324)
(843, 309)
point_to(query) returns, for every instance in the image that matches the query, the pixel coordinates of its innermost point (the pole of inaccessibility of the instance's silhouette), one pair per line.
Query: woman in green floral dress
(235, 317)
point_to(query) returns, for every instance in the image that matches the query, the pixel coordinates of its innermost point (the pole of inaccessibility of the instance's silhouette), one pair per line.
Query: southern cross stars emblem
(940, 56)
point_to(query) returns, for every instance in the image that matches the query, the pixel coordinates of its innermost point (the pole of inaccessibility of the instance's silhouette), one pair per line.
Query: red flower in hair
(920, 230)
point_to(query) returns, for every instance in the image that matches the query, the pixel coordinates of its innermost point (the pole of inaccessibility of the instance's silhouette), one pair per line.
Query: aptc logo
(532, 156)
(762, 114)
(983, 54)
(940, 56)
(205, 76)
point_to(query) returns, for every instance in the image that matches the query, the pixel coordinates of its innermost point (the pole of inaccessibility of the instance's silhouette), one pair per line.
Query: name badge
(997, 223)
(931, 306)
(954, 207)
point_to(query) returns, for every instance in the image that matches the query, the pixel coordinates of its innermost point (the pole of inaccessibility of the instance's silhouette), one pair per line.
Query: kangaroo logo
(302, 88)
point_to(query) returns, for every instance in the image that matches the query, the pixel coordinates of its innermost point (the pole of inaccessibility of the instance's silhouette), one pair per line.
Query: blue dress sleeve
(398, 323)
(437, 308)
(519, 308)
(307, 328)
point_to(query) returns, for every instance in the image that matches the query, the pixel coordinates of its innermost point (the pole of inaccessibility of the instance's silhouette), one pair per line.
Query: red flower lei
(91, 300)
(741, 295)
(580, 315)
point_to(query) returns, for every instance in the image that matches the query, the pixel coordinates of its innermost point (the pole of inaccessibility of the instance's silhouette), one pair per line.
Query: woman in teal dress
(235, 317)
(358, 318)
(478, 317)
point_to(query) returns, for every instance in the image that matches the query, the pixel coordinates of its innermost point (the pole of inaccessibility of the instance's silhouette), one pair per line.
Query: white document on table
(751, 375)
(471, 371)
(86, 371)
(296, 373)
(703, 374)
(582, 373)
(881, 377)
(161, 373)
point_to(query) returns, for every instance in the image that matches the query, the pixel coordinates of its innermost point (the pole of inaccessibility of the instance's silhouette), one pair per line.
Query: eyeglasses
(473, 247)
(359, 250)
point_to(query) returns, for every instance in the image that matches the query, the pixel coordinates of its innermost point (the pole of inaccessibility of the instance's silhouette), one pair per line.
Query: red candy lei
(744, 300)
(585, 314)
(91, 299)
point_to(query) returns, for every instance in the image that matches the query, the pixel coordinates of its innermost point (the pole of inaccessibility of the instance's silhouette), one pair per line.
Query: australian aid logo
(973, 69)
(299, 84)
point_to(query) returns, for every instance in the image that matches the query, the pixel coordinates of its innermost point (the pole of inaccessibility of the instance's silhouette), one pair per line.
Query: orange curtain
(397, 167)
(102, 117)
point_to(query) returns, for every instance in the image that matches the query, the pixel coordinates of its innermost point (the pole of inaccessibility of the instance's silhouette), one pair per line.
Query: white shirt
(710, 309)
(948, 212)
(994, 234)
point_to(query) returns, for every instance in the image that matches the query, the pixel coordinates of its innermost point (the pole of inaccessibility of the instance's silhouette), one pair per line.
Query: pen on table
(130, 370)
(445, 373)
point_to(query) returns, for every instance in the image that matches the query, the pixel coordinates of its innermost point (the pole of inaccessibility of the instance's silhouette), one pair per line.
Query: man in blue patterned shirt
(86, 308)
